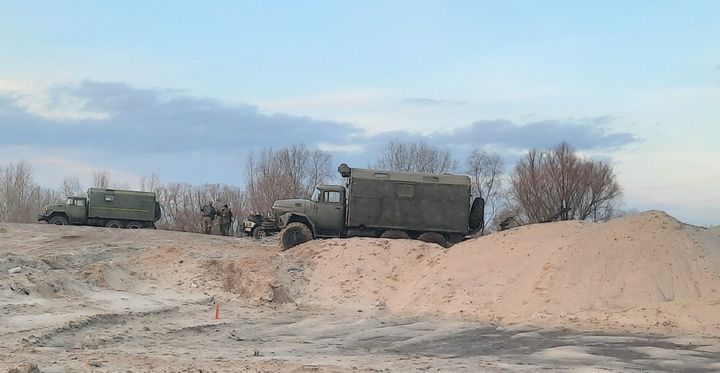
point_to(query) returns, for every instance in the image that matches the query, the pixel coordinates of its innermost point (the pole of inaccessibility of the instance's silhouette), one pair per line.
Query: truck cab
(323, 213)
(73, 211)
(328, 210)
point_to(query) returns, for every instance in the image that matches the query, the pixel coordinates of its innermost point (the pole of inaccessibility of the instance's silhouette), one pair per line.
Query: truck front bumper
(42, 217)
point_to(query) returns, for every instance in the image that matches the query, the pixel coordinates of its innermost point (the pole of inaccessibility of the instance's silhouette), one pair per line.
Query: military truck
(388, 204)
(106, 207)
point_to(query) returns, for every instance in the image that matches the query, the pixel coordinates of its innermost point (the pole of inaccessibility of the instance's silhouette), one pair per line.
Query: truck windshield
(315, 196)
(75, 201)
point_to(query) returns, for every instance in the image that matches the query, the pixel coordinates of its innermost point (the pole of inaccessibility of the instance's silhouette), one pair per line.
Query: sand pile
(645, 272)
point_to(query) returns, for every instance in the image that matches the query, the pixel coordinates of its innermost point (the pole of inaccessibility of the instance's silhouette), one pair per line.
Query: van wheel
(258, 233)
(394, 234)
(294, 234)
(113, 224)
(134, 225)
(59, 220)
(434, 237)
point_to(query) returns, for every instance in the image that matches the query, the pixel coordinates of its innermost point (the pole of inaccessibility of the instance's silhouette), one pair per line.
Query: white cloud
(51, 165)
(341, 148)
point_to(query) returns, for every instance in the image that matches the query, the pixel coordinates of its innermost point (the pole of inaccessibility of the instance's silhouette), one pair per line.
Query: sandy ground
(638, 293)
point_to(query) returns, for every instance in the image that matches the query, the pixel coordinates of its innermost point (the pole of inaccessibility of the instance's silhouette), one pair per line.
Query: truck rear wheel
(59, 220)
(394, 234)
(294, 234)
(433, 237)
(113, 224)
(134, 225)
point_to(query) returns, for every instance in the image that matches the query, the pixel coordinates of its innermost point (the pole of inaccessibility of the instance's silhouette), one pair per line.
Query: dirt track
(95, 299)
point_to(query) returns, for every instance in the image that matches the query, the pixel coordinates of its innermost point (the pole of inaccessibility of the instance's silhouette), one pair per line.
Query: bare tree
(71, 186)
(549, 182)
(318, 170)
(151, 183)
(180, 204)
(20, 198)
(16, 186)
(290, 172)
(101, 179)
(263, 180)
(486, 170)
(415, 157)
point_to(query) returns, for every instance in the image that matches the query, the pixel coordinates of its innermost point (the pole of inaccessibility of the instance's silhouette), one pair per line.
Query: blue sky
(187, 89)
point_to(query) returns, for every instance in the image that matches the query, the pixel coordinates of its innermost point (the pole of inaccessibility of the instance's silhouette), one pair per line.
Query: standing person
(208, 212)
(225, 220)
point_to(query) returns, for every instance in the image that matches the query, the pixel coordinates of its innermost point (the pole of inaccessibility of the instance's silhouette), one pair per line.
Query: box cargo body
(408, 201)
(121, 205)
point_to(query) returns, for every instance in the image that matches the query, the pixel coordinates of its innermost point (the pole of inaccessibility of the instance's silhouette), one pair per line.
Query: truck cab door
(77, 210)
(330, 213)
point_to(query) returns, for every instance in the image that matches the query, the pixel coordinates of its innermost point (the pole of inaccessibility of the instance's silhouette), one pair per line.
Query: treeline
(544, 184)
(21, 198)
(555, 182)
(271, 174)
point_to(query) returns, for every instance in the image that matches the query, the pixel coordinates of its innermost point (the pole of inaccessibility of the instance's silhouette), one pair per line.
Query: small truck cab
(75, 209)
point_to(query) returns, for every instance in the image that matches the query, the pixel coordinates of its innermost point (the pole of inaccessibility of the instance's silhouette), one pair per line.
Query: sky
(187, 89)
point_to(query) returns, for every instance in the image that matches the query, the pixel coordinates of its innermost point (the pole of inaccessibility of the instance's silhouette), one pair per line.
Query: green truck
(387, 204)
(106, 207)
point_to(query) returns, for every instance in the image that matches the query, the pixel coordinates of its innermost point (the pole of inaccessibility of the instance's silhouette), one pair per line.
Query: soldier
(209, 213)
(225, 220)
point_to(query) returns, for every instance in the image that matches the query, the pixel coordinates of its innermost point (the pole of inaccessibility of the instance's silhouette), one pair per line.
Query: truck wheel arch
(295, 218)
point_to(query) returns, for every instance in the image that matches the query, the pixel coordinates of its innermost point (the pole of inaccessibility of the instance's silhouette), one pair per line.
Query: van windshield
(315, 196)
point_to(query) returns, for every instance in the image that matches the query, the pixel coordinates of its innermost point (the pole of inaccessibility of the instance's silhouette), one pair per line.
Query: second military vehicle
(428, 207)
(258, 226)
(106, 207)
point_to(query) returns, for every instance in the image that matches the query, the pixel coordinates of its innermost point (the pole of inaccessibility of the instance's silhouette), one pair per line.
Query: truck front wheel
(294, 234)
(59, 220)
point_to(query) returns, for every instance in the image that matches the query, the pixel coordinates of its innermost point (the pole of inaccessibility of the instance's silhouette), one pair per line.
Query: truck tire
(258, 233)
(134, 225)
(476, 220)
(294, 234)
(395, 234)
(433, 237)
(59, 220)
(113, 224)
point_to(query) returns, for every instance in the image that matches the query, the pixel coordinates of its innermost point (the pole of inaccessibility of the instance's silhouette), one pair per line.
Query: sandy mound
(646, 272)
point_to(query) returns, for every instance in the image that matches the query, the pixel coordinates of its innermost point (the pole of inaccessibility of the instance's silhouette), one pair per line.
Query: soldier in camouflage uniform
(208, 212)
(225, 220)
